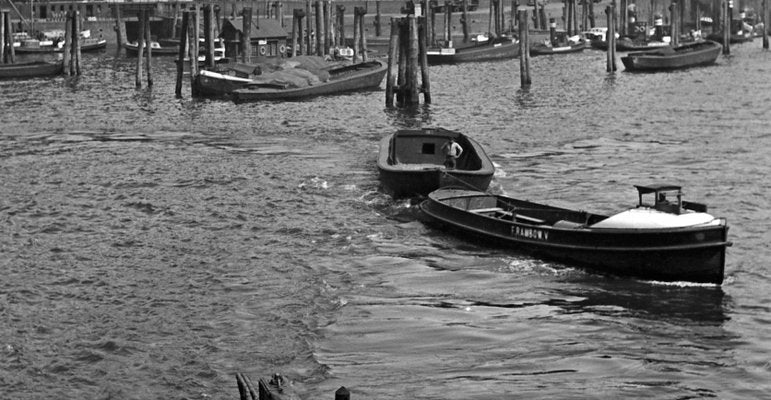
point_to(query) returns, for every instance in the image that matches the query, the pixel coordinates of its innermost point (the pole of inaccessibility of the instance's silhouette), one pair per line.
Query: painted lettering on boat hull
(529, 233)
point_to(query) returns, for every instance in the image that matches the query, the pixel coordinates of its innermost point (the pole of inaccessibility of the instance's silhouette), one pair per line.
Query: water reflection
(702, 304)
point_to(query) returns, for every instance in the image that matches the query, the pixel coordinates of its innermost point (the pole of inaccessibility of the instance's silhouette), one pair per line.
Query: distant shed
(268, 39)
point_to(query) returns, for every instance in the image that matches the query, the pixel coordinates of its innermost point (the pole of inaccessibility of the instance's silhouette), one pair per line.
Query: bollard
(342, 394)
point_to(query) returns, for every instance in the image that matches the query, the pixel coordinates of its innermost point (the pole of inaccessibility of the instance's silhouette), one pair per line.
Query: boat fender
(282, 49)
(262, 50)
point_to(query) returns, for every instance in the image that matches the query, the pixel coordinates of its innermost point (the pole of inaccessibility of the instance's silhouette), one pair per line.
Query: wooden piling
(67, 53)
(393, 54)
(297, 27)
(328, 31)
(356, 33)
(727, 5)
(524, 49)
(308, 27)
(610, 37)
(120, 26)
(246, 45)
(76, 43)
(362, 11)
(675, 24)
(378, 29)
(464, 21)
(192, 33)
(422, 49)
(181, 54)
(319, 28)
(412, 97)
(149, 57)
(765, 24)
(10, 53)
(340, 10)
(208, 34)
(2, 36)
(140, 47)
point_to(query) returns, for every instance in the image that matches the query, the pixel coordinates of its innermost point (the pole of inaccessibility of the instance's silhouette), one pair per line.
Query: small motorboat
(658, 239)
(411, 162)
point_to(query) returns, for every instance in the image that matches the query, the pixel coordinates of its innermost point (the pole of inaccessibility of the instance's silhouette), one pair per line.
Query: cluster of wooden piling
(406, 57)
(329, 31)
(71, 51)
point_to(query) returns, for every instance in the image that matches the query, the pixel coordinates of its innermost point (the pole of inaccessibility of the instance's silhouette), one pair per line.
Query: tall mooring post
(524, 48)
(727, 8)
(406, 56)
(765, 24)
(71, 53)
(246, 35)
(675, 24)
(181, 55)
(10, 53)
(610, 37)
(297, 28)
(340, 18)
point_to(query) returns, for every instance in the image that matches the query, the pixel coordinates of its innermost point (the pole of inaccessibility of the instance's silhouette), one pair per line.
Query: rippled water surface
(152, 247)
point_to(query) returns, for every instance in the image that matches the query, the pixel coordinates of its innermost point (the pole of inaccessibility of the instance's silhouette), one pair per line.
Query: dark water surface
(152, 247)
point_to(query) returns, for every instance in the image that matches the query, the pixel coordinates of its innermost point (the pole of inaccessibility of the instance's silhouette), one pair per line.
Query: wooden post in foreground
(524, 49)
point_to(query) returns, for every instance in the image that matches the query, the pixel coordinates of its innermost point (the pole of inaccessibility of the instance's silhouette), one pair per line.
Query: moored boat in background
(500, 48)
(345, 78)
(687, 55)
(31, 69)
(659, 239)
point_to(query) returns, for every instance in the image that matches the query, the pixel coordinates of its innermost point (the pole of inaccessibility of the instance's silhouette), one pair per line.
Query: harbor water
(153, 247)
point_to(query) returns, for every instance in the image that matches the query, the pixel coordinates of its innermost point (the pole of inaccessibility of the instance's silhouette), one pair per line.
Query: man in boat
(452, 151)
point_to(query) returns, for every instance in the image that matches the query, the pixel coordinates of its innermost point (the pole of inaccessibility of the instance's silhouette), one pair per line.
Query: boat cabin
(666, 198)
(423, 148)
